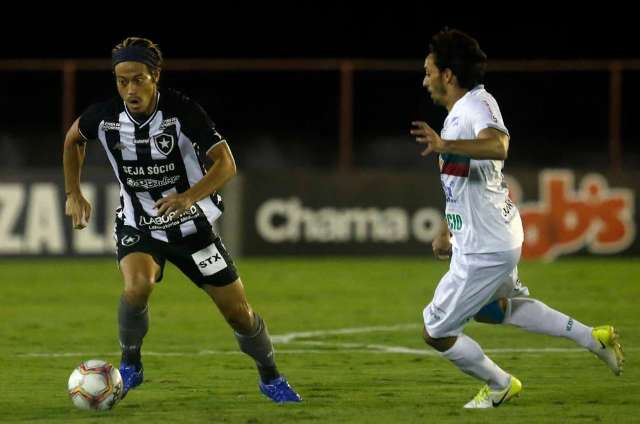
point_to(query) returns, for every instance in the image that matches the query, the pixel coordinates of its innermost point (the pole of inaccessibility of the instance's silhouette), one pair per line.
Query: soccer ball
(95, 385)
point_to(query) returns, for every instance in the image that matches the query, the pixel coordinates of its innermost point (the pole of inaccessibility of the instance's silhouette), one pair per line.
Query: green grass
(66, 306)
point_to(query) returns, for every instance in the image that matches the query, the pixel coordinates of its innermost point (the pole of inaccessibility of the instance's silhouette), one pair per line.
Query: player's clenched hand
(426, 135)
(176, 202)
(441, 247)
(78, 209)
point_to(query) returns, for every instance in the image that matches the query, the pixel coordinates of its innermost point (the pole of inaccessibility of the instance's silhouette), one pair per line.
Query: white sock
(468, 356)
(533, 315)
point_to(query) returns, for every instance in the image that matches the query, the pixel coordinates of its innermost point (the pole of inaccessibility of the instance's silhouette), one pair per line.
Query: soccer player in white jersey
(170, 161)
(484, 234)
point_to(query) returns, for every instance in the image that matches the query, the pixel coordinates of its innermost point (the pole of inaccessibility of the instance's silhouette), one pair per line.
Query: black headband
(136, 54)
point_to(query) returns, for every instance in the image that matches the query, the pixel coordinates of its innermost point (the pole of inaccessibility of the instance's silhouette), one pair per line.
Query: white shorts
(473, 281)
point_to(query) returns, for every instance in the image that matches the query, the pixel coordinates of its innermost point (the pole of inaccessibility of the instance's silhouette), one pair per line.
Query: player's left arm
(491, 143)
(223, 169)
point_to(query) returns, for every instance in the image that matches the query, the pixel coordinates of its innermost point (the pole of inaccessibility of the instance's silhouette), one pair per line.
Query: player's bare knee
(431, 341)
(426, 337)
(440, 344)
(138, 287)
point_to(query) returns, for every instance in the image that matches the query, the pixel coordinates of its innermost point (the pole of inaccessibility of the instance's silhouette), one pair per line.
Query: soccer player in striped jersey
(170, 161)
(483, 232)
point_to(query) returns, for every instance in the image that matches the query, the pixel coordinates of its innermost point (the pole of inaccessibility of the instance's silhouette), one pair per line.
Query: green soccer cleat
(608, 347)
(487, 398)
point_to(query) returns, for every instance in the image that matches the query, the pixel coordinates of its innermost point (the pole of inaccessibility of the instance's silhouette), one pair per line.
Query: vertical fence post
(68, 94)
(615, 116)
(345, 153)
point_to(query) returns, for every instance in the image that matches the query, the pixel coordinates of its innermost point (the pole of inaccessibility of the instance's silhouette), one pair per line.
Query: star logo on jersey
(164, 143)
(129, 240)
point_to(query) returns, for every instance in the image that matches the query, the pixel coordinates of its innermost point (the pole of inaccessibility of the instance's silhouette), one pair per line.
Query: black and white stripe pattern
(152, 159)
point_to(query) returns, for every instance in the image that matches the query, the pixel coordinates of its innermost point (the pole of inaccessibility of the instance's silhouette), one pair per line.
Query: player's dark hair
(461, 53)
(145, 50)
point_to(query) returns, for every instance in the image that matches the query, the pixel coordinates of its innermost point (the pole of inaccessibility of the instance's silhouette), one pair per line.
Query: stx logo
(565, 220)
(210, 260)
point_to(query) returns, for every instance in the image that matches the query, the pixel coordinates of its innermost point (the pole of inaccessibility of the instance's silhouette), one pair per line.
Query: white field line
(336, 349)
(330, 347)
(289, 337)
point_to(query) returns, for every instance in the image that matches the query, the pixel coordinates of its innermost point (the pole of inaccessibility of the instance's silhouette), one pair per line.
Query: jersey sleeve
(486, 114)
(90, 121)
(200, 128)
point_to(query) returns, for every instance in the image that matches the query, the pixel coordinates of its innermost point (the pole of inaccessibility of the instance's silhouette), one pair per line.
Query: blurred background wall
(317, 114)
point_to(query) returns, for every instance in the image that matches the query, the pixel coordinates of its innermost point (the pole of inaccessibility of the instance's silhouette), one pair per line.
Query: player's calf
(240, 317)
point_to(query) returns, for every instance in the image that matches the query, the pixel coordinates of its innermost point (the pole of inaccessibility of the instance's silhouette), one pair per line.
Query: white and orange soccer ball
(95, 385)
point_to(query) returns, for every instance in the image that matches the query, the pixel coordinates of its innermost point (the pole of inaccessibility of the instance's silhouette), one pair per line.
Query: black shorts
(201, 256)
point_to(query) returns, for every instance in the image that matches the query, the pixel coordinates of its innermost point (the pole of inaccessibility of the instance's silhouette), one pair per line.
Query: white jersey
(479, 213)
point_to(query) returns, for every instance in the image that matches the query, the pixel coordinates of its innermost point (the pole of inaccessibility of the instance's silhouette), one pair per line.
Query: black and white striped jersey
(162, 155)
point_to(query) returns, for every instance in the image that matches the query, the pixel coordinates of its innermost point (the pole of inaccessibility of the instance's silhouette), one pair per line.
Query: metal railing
(346, 69)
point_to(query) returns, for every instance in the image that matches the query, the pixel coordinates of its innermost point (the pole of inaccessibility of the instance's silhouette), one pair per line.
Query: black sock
(268, 373)
(132, 357)
(133, 323)
(257, 344)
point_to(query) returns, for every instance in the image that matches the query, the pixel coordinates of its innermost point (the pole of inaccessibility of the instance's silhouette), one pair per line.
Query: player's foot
(132, 376)
(279, 391)
(608, 347)
(487, 398)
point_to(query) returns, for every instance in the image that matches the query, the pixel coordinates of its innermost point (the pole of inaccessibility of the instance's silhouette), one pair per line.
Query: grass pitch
(347, 336)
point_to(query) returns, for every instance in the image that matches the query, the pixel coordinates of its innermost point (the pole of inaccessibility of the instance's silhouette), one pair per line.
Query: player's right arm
(76, 206)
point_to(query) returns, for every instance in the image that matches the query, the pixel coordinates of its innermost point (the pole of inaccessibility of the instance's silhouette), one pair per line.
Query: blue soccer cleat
(132, 377)
(279, 391)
